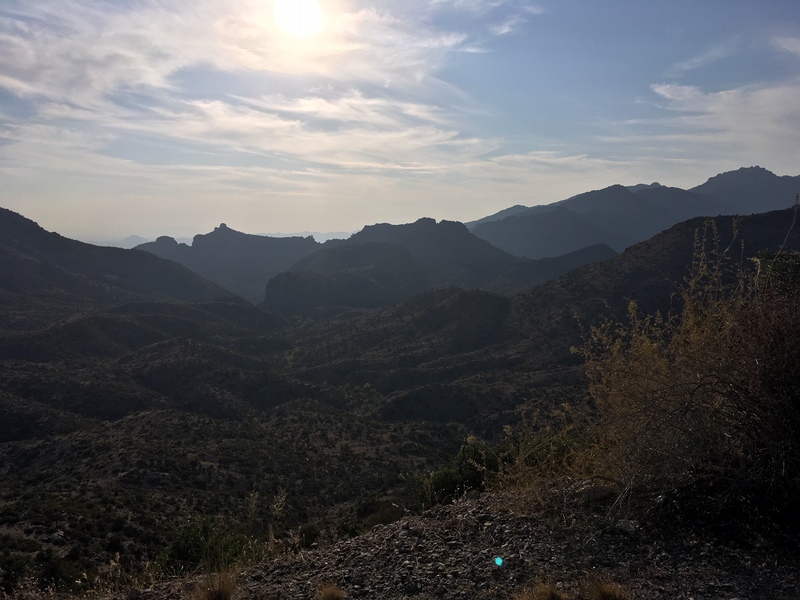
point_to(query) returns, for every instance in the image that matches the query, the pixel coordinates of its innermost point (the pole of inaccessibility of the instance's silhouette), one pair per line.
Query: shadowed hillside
(751, 190)
(44, 275)
(240, 262)
(619, 216)
(385, 264)
(616, 216)
(471, 341)
(122, 422)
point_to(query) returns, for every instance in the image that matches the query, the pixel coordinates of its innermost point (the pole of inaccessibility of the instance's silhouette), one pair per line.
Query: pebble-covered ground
(451, 552)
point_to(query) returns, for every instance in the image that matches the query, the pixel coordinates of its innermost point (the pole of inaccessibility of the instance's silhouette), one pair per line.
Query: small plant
(542, 591)
(329, 591)
(474, 464)
(606, 591)
(219, 585)
(593, 591)
(308, 534)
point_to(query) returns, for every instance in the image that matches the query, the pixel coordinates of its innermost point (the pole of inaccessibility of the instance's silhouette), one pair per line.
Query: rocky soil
(451, 552)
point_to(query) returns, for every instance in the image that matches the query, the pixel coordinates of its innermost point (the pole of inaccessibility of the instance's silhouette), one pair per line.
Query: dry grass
(606, 591)
(219, 585)
(542, 591)
(329, 591)
(593, 591)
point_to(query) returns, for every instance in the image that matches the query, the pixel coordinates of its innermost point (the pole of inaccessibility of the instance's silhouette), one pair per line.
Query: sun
(299, 18)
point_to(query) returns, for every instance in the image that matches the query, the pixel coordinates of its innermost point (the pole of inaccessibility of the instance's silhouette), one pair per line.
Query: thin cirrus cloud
(755, 121)
(708, 57)
(789, 44)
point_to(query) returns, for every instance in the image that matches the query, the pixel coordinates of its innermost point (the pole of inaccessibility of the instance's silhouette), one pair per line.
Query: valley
(147, 392)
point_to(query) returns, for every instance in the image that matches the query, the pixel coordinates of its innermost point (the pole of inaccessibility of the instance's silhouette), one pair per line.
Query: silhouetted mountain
(615, 216)
(385, 264)
(352, 275)
(619, 216)
(449, 345)
(643, 186)
(128, 243)
(536, 271)
(240, 262)
(506, 212)
(43, 269)
(546, 234)
(446, 249)
(120, 421)
(751, 190)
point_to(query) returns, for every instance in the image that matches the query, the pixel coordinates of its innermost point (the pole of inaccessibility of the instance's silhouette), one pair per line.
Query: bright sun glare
(299, 18)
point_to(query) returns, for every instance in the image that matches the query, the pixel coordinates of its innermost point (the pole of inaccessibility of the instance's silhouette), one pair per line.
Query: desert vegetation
(699, 407)
(145, 439)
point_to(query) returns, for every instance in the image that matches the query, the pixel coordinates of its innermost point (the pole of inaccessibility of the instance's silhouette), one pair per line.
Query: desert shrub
(441, 486)
(329, 591)
(598, 590)
(308, 533)
(547, 446)
(472, 467)
(203, 542)
(591, 591)
(542, 591)
(218, 585)
(706, 399)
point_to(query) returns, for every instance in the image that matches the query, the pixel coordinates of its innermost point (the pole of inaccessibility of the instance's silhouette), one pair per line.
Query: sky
(168, 117)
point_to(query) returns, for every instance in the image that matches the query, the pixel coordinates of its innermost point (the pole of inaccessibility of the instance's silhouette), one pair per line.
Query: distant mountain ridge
(751, 190)
(240, 262)
(384, 264)
(435, 350)
(620, 216)
(40, 267)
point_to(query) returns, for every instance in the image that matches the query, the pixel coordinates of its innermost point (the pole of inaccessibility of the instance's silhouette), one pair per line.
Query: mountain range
(384, 264)
(137, 396)
(619, 216)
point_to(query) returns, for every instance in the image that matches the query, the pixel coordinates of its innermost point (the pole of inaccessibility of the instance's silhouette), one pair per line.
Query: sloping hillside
(44, 275)
(240, 262)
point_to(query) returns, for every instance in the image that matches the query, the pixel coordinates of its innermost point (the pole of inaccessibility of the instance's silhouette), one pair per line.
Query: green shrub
(309, 533)
(474, 464)
(203, 541)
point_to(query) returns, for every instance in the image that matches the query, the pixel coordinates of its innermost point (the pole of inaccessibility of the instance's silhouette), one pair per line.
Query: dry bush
(542, 591)
(329, 591)
(605, 591)
(219, 585)
(592, 591)
(546, 458)
(707, 397)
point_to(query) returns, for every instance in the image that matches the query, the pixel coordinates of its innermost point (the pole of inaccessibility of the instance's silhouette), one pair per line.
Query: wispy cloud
(75, 50)
(117, 105)
(711, 55)
(789, 44)
(507, 26)
(752, 124)
(78, 67)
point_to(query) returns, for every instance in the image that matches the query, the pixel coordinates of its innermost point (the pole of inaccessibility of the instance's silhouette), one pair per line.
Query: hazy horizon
(142, 118)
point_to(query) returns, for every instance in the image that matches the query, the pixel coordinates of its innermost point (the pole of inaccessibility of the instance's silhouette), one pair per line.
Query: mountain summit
(620, 216)
(241, 262)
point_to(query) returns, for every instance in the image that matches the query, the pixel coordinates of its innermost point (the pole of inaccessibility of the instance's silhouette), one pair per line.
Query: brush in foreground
(329, 591)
